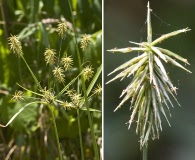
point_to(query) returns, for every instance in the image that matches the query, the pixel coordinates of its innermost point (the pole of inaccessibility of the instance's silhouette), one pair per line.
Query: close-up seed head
(98, 90)
(18, 96)
(48, 96)
(150, 90)
(58, 73)
(85, 41)
(74, 97)
(88, 72)
(67, 105)
(62, 29)
(50, 56)
(15, 45)
(70, 92)
(67, 62)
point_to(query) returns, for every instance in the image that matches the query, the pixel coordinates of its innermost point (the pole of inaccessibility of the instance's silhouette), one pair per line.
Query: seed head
(85, 41)
(76, 99)
(150, 90)
(70, 92)
(50, 56)
(18, 96)
(48, 96)
(87, 72)
(67, 62)
(74, 96)
(67, 105)
(62, 29)
(15, 45)
(59, 74)
(98, 90)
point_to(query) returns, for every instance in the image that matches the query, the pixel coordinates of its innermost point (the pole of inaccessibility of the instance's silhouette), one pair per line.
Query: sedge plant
(150, 91)
(59, 94)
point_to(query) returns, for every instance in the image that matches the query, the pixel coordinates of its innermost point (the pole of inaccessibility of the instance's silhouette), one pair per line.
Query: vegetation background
(124, 21)
(31, 134)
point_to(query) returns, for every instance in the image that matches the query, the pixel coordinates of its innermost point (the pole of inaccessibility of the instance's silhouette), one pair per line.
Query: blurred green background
(126, 21)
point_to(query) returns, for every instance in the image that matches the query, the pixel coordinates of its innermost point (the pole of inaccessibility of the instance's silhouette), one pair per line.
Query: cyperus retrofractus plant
(59, 93)
(150, 91)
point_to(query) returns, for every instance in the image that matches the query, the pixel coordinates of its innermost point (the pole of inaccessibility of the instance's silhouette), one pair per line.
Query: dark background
(125, 21)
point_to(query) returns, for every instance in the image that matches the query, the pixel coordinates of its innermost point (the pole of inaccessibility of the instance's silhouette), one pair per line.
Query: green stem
(84, 88)
(80, 135)
(56, 132)
(149, 40)
(149, 26)
(34, 77)
(145, 152)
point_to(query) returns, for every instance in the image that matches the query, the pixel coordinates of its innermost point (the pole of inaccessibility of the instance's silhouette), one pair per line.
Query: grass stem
(56, 132)
(145, 152)
(84, 88)
(80, 135)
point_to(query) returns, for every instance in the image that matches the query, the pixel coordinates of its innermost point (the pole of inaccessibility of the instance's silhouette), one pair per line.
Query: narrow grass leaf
(17, 113)
(29, 90)
(67, 86)
(94, 80)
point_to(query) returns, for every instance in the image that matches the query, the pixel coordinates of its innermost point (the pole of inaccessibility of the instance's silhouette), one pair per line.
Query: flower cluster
(98, 90)
(67, 62)
(18, 96)
(47, 96)
(15, 45)
(74, 97)
(67, 105)
(62, 29)
(151, 89)
(85, 41)
(87, 72)
(59, 74)
(50, 56)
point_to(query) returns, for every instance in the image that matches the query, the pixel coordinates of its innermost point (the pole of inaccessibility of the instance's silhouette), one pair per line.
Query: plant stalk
(80, 135)
(56, 132)
(145, 152)
(149, 26)
(149, 40)
(84, 89)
